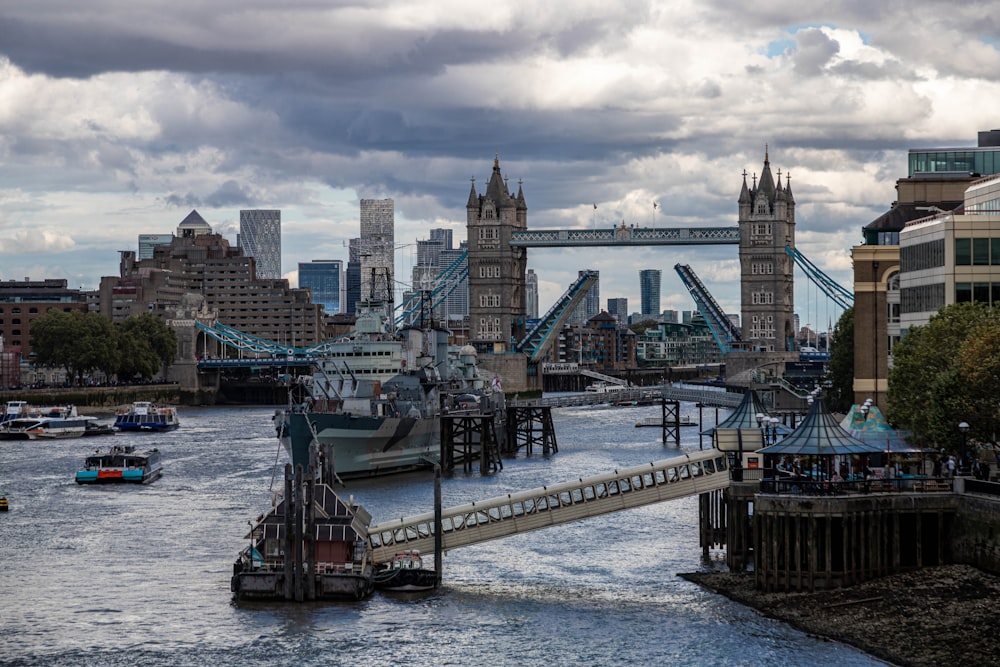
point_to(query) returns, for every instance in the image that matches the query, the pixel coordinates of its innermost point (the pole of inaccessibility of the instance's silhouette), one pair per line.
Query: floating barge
(312, 545)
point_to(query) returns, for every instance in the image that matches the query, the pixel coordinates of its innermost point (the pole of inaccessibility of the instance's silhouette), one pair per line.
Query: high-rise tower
(531, 295)
(649, 293)
(260, 238)
(496, 270)
(377, 246)
(767, 225)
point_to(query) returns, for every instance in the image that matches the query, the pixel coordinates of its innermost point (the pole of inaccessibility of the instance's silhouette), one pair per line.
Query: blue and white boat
(121, 465)
(47, 423)
(146, 416)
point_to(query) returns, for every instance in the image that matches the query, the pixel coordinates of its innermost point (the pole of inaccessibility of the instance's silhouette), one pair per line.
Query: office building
(324, 278)
(149, 241)
(260, 238)
(23, 301)
(982, 160)
(531, 295)
(203, 267)
(649, 293)
(352, 277)
(377, 249)
(618, 308)
(937, 180)
(951, 257)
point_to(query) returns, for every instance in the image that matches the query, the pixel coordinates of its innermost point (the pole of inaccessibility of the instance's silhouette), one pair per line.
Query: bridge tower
(767, 225)
(496, 269)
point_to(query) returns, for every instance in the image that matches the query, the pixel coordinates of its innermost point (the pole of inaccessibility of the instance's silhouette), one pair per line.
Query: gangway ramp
(553, 505)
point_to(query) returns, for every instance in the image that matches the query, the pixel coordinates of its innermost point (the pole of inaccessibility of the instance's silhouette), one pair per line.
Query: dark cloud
(814, 51)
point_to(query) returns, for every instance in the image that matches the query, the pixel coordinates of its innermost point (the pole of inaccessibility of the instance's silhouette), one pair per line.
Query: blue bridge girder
(722, 328)
(840, 295)
(625, 236)
(248, 343)
(537, 341)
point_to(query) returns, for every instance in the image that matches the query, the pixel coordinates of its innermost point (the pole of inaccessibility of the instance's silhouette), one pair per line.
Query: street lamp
(964, 428)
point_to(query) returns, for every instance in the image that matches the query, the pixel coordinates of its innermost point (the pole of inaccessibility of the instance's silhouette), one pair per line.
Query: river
(114, 575)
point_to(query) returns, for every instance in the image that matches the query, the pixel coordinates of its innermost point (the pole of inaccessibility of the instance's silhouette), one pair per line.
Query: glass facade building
(649, 292)
(324, 278)
(260, 238)
(983, 159)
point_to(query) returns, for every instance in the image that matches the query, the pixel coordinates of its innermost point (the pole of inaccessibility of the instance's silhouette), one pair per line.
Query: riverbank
(931, 617)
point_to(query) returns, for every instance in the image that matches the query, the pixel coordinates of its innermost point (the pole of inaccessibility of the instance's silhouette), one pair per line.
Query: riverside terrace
(810, 530)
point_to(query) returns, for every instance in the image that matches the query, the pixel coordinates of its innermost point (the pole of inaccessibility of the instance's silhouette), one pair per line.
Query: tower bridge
(624, 236)
(553, 505)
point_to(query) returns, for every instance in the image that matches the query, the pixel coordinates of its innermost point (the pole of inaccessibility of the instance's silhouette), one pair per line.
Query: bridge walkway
(720, 399)
(523, 511)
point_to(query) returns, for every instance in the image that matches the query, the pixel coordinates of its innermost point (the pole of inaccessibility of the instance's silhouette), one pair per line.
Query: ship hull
(364, 446)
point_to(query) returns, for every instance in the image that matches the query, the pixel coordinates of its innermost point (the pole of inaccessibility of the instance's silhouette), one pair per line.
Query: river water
(140, 575)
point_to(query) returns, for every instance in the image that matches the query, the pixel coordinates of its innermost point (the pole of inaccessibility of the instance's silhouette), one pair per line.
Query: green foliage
(639, 328)
(158, 338)
(52, 338)
(935, 381)
(84, 343)
(840, 396)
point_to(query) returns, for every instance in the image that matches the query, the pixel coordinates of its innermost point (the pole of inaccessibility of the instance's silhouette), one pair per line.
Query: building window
(963, 252)
(981, 252)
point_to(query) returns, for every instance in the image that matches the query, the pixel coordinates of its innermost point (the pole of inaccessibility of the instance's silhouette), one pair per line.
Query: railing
(551, 505)
(811, 487)
(721, 399)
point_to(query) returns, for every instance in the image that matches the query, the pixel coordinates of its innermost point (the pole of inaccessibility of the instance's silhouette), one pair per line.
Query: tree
(978, 366)
(158, 339)
(97, 348)
(79, 342)
(52, 338)
(929, 387)
(840, 396)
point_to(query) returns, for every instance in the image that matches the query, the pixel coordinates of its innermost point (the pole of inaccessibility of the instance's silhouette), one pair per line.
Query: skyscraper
(619, 308)
(260, 238)
(531, 295)
(377, 246)
(324, 278)
(352, 278)
(649, 292)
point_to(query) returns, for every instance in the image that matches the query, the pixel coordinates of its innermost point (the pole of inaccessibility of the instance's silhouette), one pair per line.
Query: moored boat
(57, 422)
(93, 428)
(405, 572)
(377, 398)
(121, 465)
(280, 559)
(4, 506)
(147, 416)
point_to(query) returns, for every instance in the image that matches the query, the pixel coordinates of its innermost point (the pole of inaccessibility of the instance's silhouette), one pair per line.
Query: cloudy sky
(118, 117)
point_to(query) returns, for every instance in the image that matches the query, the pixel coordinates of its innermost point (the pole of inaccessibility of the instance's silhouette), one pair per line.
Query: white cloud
(117, 118)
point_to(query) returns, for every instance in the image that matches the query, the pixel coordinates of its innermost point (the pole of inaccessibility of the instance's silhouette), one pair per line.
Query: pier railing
(480, 521)
(721, 399)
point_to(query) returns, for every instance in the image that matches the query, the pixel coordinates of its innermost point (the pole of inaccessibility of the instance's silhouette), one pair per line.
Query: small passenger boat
(121, 465)
(3, 504)
(94, 428)
(58, 422)
(658, 422)
(405, 572)
(146, 416)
